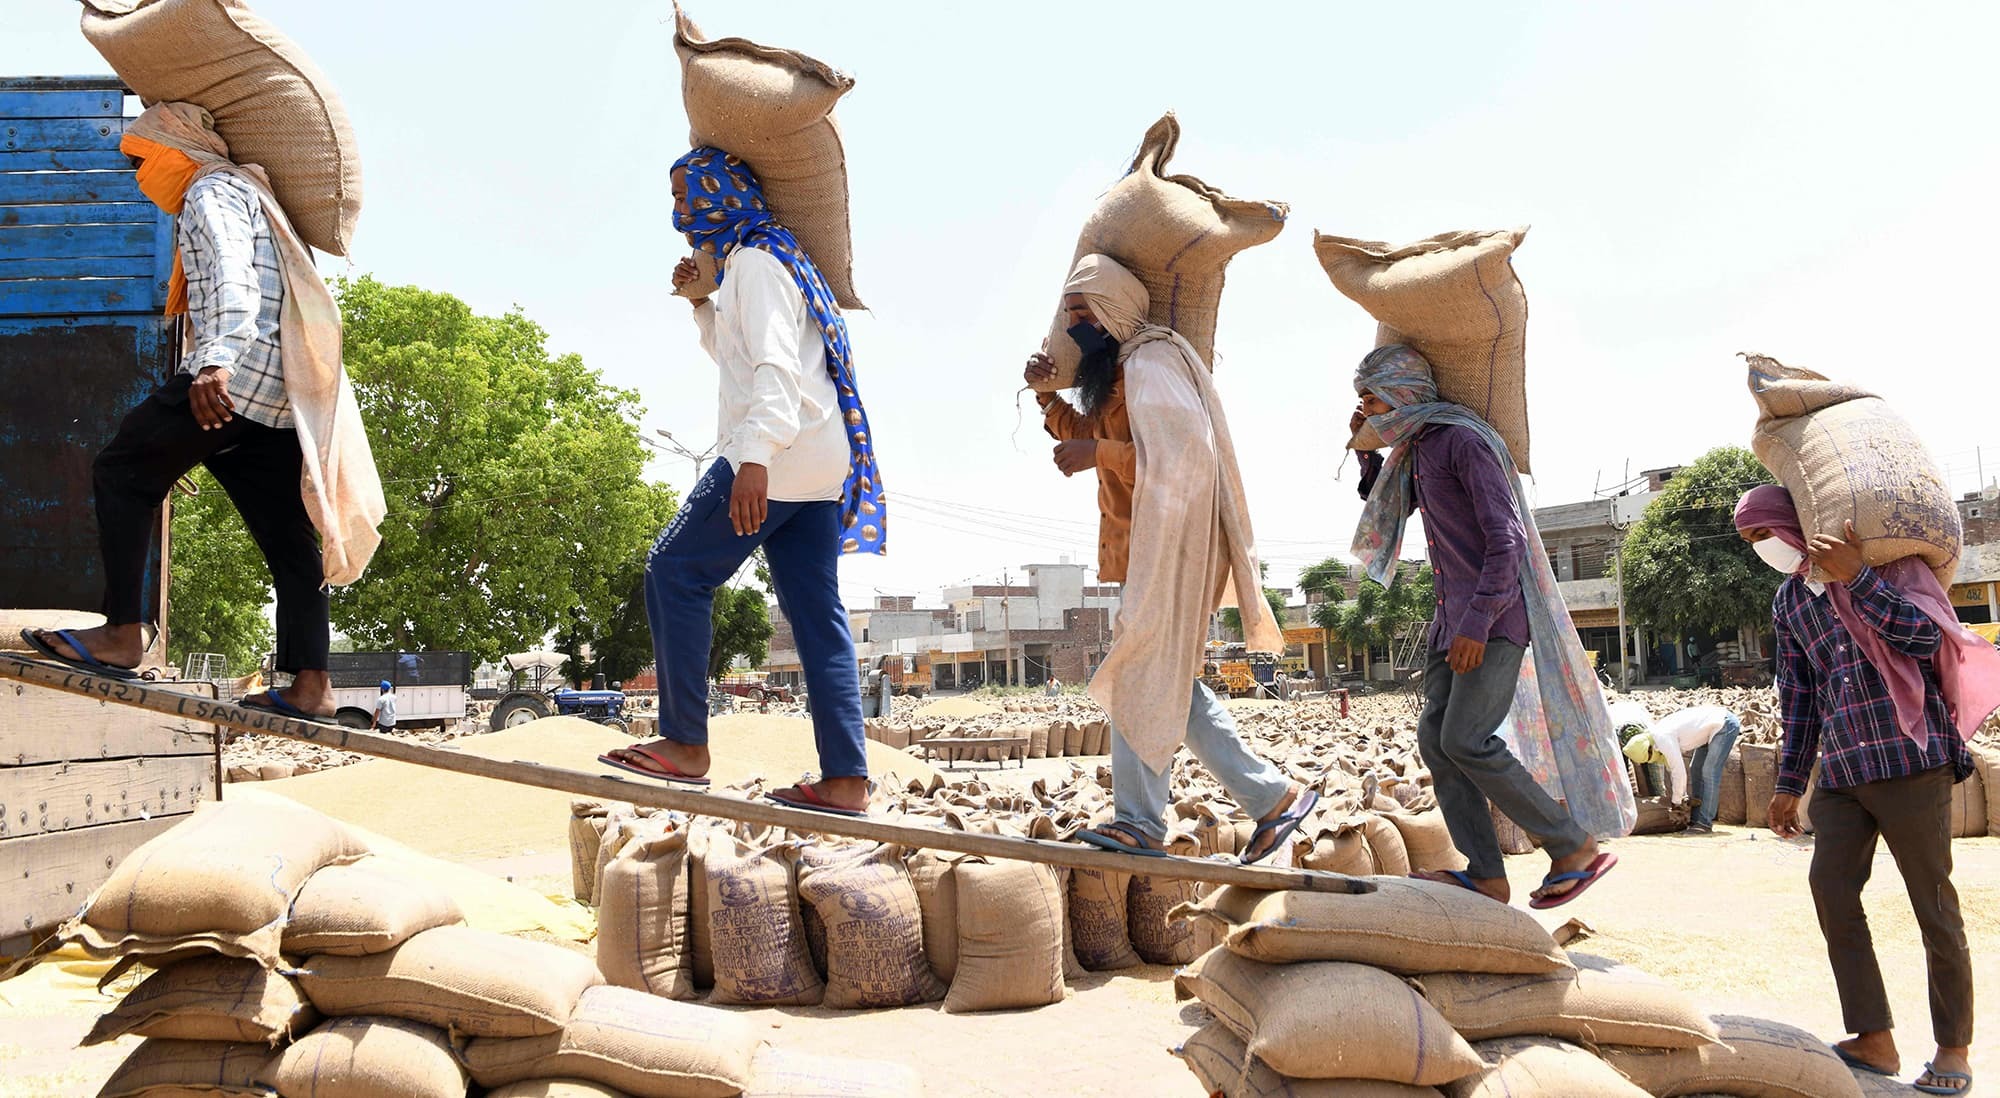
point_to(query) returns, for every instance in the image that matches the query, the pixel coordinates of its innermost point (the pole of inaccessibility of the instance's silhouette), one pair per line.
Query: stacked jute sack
(285, 960)
(1425, 989)
(1046, 739)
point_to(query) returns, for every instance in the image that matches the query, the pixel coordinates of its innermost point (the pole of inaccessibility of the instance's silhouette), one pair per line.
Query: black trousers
(259, 466)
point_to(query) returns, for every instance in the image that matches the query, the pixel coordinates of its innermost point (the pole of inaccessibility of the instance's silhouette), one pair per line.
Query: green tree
(742, 628)
(219, 584)
(1686, 570)
(1378, 616)
(1328, 580)
(514, 478)
(1276, 597)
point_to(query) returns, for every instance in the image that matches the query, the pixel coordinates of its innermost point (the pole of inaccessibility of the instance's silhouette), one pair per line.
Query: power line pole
(1006, 631)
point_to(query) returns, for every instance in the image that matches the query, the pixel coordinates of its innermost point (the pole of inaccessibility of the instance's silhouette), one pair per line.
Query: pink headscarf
(1968, 668)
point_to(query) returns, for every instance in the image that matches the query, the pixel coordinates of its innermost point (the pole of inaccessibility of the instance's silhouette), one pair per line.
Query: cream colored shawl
(339, 484)
(1192, 547)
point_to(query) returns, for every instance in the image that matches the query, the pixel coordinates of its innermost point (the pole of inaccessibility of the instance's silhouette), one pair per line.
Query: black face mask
(1091, 339)
(1097, 371)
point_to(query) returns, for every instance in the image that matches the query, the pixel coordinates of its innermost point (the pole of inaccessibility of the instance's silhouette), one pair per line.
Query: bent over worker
(796, 477)
(1175, 541)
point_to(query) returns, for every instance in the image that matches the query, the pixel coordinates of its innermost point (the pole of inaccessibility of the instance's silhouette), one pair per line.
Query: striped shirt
(235, 291)
(1833, 704)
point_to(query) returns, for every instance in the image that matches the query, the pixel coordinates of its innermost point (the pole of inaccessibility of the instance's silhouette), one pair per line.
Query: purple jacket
(1474, 536)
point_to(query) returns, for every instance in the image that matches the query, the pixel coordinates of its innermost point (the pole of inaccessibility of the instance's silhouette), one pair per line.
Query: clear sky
(1809, 181)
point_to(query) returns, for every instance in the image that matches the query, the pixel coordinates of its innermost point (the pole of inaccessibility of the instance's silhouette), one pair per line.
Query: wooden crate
(82, 784)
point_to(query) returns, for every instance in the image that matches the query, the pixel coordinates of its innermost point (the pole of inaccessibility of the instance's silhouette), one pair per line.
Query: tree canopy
(1686, 570)
(218, 582)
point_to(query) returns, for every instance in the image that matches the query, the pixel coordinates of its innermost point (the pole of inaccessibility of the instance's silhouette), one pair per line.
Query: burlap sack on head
(774, 108)
(271, 103)
(210, 999)
(637, 1043)
(368, 1058)
(1760, 780)
(1010, 932)
(1099, 919)
(1455, 298)
(757, 938)
(1406, 926)
(874, 932)
(935, 878)
(1538, 1065)
(1225, 1067)
(1176, 234)
(1383, 1029)
(1756, 1059)
(1385, 843)
(367, 907)
(1426, 840)
(642, 911)
(222, 880)
(1970, 803)
(1601, 1003)
(472, 982)
(776, 1073)
(1157, 937)
(163, 1068)
(1844, 455)
(1732, 799)
(555, 1088)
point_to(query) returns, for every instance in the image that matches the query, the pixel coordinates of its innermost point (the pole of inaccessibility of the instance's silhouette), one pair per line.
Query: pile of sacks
(254, 758)
(1046, 739)
(1441, 992)
(286, 960)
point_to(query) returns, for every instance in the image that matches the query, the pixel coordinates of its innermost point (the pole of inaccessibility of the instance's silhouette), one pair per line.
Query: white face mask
(1780, 556)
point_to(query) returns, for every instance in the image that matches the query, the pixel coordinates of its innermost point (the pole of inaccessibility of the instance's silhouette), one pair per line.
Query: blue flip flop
(1585, 877)
(1106, 842)
(1932, 1088)
(1857, 1063)
(275, 702)
(1459, 876)
(82, 661)
(1286, 823)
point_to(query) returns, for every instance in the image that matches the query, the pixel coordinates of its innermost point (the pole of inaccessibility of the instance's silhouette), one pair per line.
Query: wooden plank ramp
(145, 695)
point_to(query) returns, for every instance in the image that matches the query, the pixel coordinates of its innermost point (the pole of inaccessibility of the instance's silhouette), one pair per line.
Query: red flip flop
(1599, 866)
(668, 772)
(805, 796)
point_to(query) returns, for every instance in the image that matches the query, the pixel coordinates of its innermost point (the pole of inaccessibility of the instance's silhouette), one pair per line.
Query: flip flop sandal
(275, 702)
(804, 796)
(1284, 825)
(669, 773)
(1599, 866)
(1932, 1088)
(1118, 846)
(82, 661)
(1857, 1063)
(1458, 877)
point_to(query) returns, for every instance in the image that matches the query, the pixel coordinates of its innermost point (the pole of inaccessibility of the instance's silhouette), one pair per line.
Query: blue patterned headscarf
(726, 212)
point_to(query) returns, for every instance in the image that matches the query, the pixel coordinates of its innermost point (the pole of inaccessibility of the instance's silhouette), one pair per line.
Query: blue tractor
(536, 689)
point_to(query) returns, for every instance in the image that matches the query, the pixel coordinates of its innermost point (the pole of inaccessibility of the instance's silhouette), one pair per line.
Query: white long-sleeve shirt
(778, 408)
(1679, 734)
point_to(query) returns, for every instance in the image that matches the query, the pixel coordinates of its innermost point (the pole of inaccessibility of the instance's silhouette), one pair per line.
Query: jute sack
(1099, 919)
(874, 932)
(776, 1073)
(1383, 1029)
(1538, 1065)
(1072, 739)
(1454, 297)
(1601, 1003)
(1987, 758)
(1157, 937)
(1097, 738)
(1847, 457)
(1385, 843)
(1038, 742)
(473, 982)
(555, 1088)
(163, 1068)
(368, 1058)
(221, 880)
(1756, 1059)
(637, 1043)
(271, 103)
(1426, 840)
(1657, 817)
(1406, 926)
(367, 907)
(756, 936)
(1732, 799)
(642, 912)
(1225, 1067)
(587, 822)
(703, 834)
(1010, 932)
(1341, 848)
(1969, 806)
(210, 999)
(935, 878)
(1176, 234)
(1760, 780)
(774, 109)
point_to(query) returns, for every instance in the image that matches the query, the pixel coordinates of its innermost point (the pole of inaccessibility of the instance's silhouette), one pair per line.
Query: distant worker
(1055, 686)
(1709, 733)
(385, 708)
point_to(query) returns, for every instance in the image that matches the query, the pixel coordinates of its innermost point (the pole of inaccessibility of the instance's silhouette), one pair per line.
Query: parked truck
(433, 689)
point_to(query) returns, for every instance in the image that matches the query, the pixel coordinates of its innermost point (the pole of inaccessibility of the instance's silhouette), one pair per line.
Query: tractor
(536, 689)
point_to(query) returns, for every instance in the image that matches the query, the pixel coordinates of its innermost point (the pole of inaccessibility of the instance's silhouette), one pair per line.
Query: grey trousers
(1913, 815)
(1471, 766)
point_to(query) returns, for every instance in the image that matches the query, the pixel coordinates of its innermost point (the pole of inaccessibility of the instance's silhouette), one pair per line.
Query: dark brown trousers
(1913, 815)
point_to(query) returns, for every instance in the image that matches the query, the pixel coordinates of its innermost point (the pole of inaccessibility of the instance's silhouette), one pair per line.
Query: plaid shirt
(1836, 707)
(235, 290)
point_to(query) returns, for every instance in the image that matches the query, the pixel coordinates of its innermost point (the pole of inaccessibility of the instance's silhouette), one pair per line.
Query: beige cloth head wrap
(181, 126)
(1114, 294)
